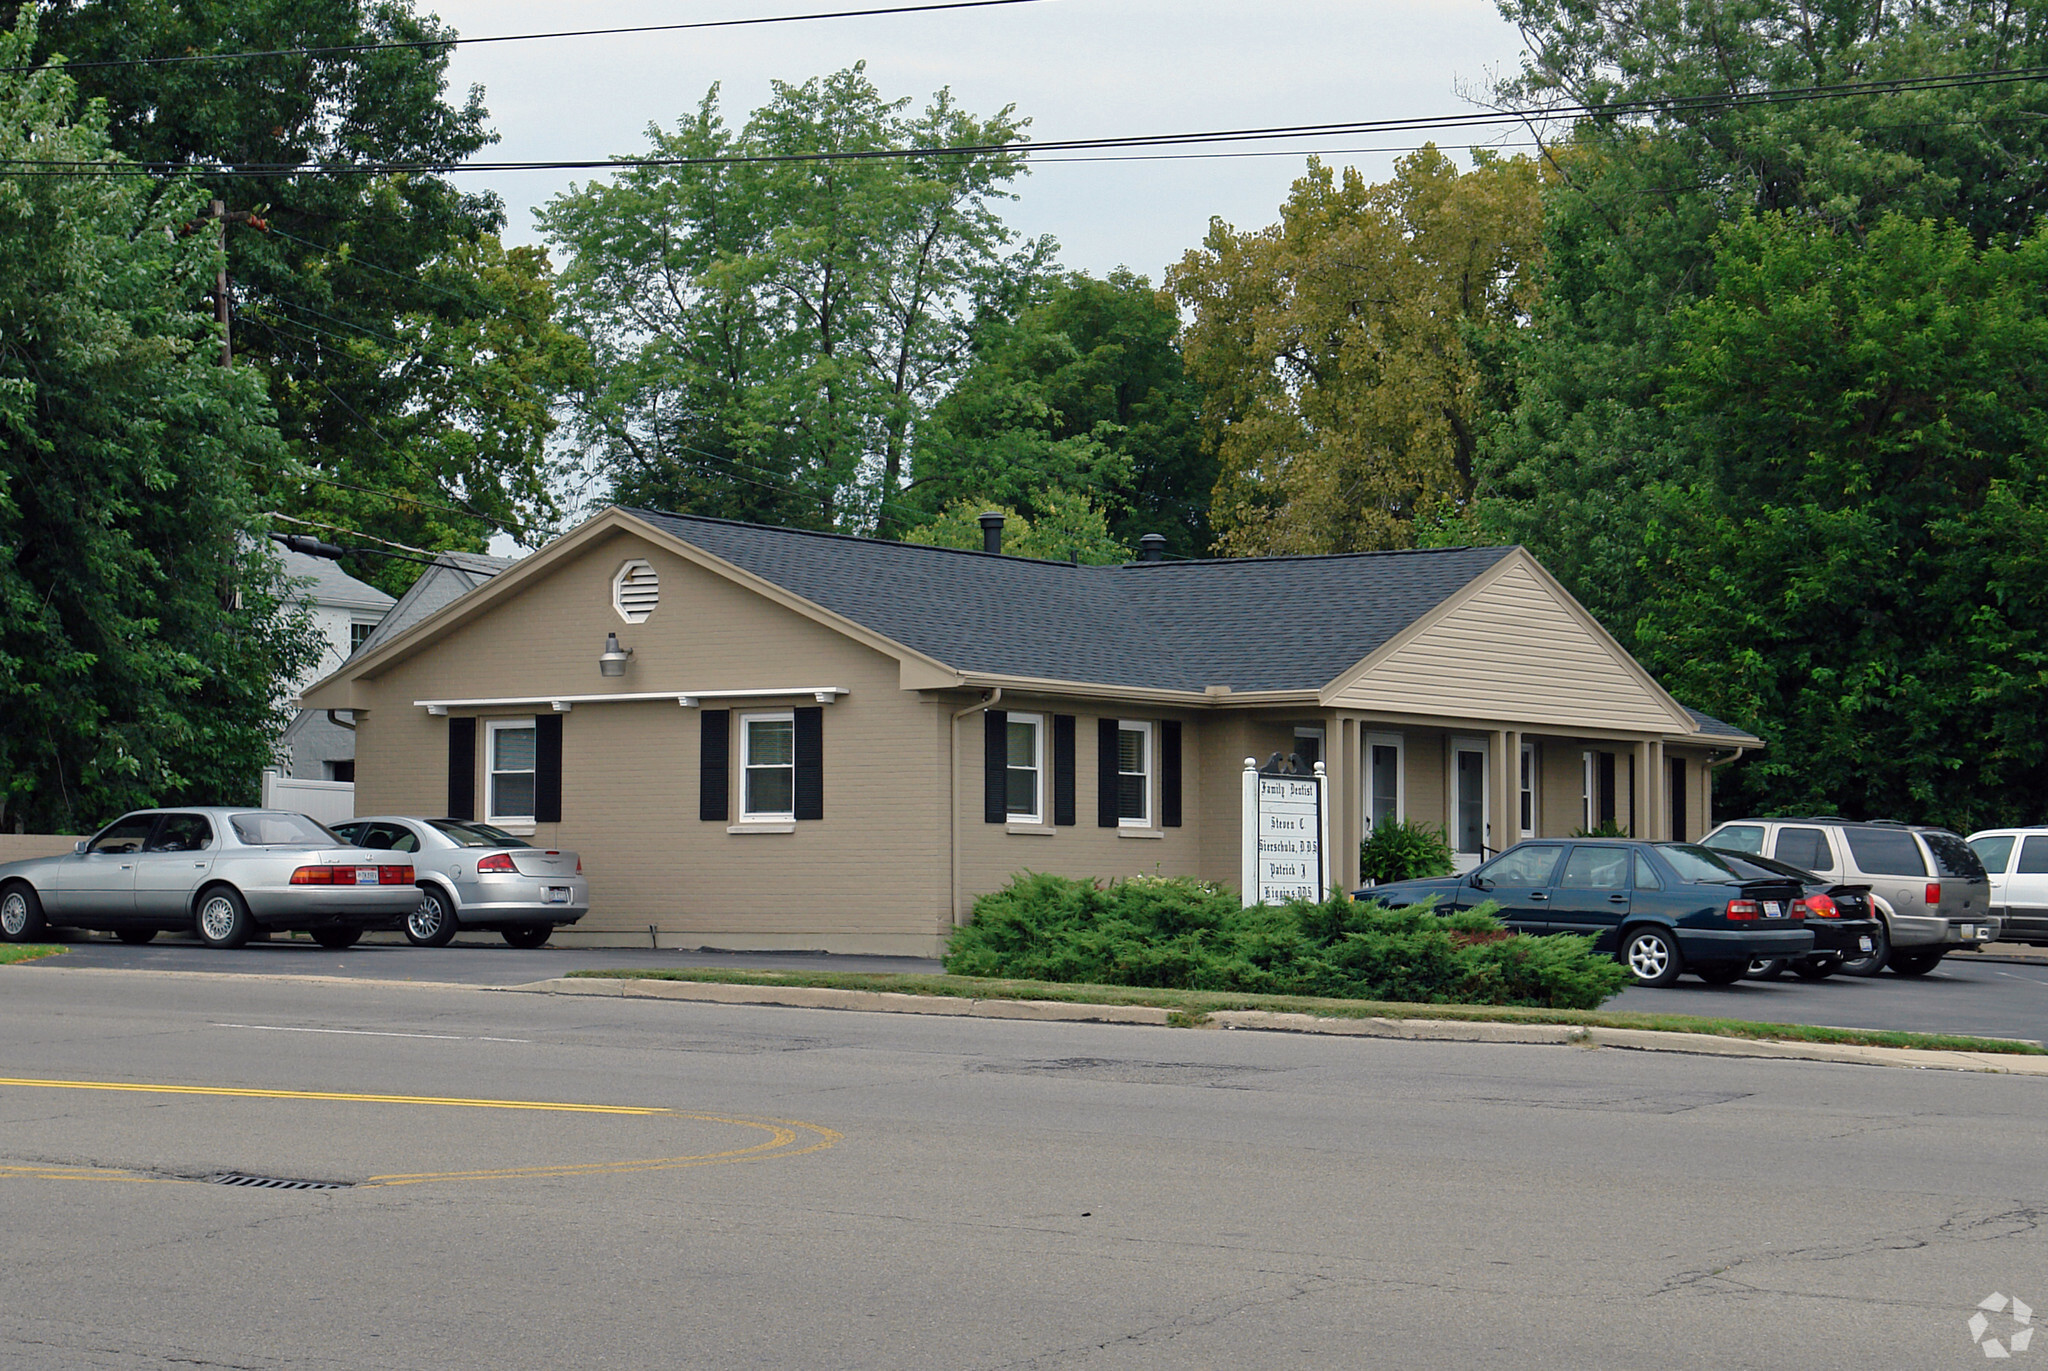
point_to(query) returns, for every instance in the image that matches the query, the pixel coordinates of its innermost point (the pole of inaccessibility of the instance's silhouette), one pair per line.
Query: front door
(1468, 803)
(1592, 896)
(100, 883)
(2026, 889)
(169, 869)
(1519, 882)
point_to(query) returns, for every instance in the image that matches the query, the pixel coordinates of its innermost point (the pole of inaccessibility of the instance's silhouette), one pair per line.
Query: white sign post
(1286, 836)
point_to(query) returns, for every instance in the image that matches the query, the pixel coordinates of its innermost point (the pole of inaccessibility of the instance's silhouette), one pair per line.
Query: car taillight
(1745, 909)
(1820, 907)
(497, 861)
(346, 875)
(394, 875)
(1934, 892)
(579, 866)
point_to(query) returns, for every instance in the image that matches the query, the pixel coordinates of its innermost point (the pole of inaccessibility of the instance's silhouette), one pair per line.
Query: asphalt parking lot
(1967, 993)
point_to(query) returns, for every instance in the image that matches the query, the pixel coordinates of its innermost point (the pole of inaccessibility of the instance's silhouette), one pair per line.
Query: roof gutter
(987, 701)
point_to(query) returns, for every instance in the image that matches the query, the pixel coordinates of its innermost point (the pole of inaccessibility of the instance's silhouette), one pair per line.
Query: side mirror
(1481, 883)
(78, 848)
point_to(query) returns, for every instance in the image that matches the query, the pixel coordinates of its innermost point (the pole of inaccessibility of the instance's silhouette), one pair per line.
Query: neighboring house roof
(324, 583)
(1251, 623)
(453, 575)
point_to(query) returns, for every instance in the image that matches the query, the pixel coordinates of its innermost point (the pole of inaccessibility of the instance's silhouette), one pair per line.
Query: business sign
(1286, 836)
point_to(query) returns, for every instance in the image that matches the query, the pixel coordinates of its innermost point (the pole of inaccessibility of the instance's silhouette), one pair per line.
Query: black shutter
(995, 766)
(1605, 784)
(1063, 770)
(547, 769)
(810, 763)
(714, 774)
(462, 768)
(1105, 773)
(1169, 773)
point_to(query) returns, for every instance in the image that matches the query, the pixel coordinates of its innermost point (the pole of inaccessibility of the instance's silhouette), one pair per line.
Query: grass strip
(1193, 1004)
(25, 952)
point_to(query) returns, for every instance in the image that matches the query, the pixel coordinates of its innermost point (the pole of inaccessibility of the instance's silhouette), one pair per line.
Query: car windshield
(1737, 838)
(276, 829)
(1696, 863)
(1750, 865)
(464, 834)
(1952, 856)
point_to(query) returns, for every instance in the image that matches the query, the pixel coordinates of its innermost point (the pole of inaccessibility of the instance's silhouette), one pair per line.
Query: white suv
(1929, 887)
(2017, 861)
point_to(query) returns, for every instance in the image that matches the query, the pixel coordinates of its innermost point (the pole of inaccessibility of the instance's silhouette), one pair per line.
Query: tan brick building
(819, 741)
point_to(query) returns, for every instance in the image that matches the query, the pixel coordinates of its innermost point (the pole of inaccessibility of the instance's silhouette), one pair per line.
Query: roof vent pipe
(1152, 547)
(992, 531)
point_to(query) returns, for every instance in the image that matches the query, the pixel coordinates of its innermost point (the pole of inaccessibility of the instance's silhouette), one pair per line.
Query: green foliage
(769, 334)
(1067, 528)
(1404, 850)
(141, 624)
(1607, 828)
(1084, 393)
(413, 364)
(1185, 934)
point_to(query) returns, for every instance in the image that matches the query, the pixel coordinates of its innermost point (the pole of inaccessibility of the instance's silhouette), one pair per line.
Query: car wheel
(433, 923)
(1766, 968)
(335, 939)
(1651, 955)
(1722, 973)
(1873, 962)
(135, 937)
(1916, 962)
(529, 935)
(1818, 969)
(21, 914)
(223, 919)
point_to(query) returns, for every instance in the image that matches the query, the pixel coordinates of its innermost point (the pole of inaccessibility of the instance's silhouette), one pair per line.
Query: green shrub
(1191, 935)
(1607, 829)
(1404, 851)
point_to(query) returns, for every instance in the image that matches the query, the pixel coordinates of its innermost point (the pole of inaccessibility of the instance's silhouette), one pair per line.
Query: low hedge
(1188, 935)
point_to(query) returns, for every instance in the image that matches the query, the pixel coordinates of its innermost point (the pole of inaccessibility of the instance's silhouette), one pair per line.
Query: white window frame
(492, 728)
(748, 814)
(619, 579)
(1144, 727)
(1396, 742)
(1485, 751)
(1037, 813)
(1588, 792)
(1530, 783)
(1322, 738)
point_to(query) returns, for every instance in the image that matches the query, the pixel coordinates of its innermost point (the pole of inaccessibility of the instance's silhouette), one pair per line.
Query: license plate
(558, 894)
(366, 875)
(1773, 909)
(1863, 945)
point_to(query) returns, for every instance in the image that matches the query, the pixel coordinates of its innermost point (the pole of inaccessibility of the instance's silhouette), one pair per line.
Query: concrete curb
(48, 965)
(1413, 1030)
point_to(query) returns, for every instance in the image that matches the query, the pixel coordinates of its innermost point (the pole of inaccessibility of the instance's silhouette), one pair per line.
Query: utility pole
(218, 213)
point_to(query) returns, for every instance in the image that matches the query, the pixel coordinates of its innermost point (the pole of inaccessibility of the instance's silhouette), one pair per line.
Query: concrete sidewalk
(1436, 1030)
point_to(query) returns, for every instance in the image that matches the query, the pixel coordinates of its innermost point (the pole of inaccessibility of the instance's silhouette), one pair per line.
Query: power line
(422, 44)
(1027, 150)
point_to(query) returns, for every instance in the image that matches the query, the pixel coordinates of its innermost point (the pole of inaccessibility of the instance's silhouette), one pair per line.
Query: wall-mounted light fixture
(613, 661)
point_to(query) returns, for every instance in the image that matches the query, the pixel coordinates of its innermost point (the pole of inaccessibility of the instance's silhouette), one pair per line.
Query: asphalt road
(691, 1185)
(2000, 999)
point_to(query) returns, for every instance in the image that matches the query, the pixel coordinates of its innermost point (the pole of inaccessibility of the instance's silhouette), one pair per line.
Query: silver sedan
(223, 874)
(474, 876)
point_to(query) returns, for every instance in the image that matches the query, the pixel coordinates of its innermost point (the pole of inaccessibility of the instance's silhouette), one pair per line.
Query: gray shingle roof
(1256, 623)
(325, 583)
(1711, 726)
(453, 575)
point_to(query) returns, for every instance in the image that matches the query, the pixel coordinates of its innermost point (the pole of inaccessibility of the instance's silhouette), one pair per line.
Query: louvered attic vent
(636, 590)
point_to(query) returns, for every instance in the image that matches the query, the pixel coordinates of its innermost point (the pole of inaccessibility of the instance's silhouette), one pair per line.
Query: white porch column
(1501, 820)
(1639, 808)
(1511, 748)
(1659, 801)
(1346, 802)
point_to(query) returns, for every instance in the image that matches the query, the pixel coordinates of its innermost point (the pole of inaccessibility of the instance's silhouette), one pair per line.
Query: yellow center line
(344, 1096)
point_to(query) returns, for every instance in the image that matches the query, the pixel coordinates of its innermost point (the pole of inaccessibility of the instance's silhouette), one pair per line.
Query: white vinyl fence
(331, 802)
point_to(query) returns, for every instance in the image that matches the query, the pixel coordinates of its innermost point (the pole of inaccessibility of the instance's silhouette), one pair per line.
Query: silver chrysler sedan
(479, 877)
(224, 874)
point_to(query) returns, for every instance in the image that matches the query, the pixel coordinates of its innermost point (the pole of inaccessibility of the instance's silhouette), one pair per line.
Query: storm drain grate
(275, 1182)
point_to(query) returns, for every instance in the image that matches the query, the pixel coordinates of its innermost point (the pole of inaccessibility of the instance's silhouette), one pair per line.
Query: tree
(1065, 528)
(369, 297)
(1343, 352)
(1084, 392)
(142, 627)
(771, 332)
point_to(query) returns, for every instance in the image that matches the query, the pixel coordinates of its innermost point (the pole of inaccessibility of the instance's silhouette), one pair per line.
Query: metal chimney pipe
(992, 531)
(1152, 547)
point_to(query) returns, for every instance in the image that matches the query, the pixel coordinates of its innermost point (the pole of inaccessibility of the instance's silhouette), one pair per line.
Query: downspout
(350, 726)
(987, 701)
(1707, 769)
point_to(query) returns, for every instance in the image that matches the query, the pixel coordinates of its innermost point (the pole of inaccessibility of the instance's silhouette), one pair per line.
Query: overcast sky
(1076, 68)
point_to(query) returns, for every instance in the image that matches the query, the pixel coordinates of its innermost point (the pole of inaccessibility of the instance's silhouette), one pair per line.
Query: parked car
(1844, 922)
(1930, 890)
(472, 875)
(1661, 908)
(221, 873)
(2016, 863)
